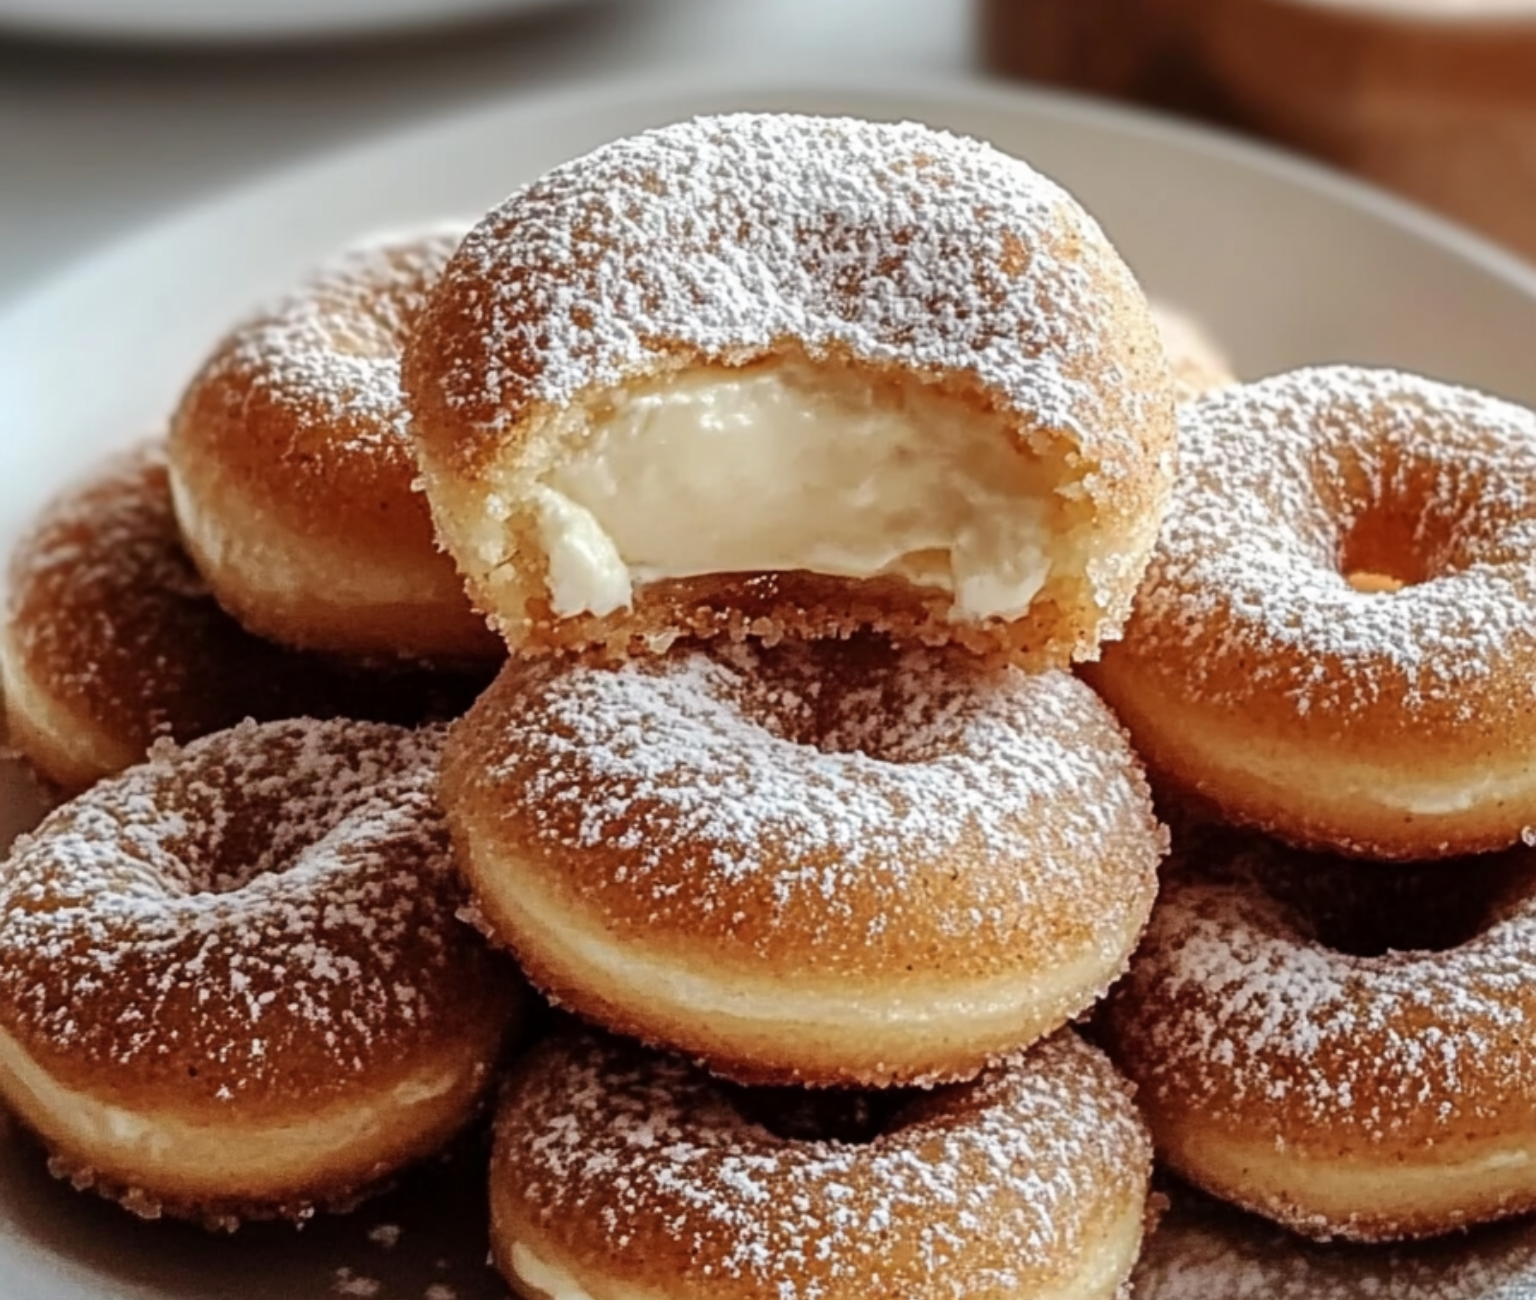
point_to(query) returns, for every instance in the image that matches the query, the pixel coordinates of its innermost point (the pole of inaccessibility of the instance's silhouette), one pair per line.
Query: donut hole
(293, 810)
(843, 1117)
(1385, 550)
(863, 696)
(1369, 910)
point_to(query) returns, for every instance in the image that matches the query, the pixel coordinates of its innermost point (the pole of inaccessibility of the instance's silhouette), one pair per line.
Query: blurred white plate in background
(241, 20)
(1285, 263)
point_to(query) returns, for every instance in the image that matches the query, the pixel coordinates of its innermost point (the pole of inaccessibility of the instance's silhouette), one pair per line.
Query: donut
(824, 863)
(769, 375)
(1337, 634)
(621, 1172)
(111, 640)
(292, 474)
(1197, 362)
(232, 981)
(1343, 1049)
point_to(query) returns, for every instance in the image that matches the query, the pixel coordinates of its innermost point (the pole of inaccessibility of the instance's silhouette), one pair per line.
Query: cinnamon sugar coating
(825, 862)
(112, 640)
(621, 1168)
(232, 980)
(1394, 724)
(893, 253)
(293, 473)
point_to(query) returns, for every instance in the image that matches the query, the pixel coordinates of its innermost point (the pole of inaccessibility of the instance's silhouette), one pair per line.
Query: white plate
(241, 20)
(1284, 262)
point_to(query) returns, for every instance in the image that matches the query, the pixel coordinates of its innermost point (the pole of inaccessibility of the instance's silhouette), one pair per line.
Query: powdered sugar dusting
(1235, 1006)
(331, 348)
(724, 237)
(983, 1188)
(348, 1283)
(260, 911)
(107, 616)
(868, 795)
(1247, 593)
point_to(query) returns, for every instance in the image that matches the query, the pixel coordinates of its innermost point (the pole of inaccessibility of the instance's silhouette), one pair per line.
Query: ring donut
(773, 375)
(292, 473)
(232, 981)
(1341, 1048)
(826, 863)
(617, 1171)
(1350, 668)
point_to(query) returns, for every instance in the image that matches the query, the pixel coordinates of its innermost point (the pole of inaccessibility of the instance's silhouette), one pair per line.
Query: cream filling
(783, 467)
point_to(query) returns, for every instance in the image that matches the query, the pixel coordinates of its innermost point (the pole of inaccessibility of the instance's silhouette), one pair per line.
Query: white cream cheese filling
(785, 466)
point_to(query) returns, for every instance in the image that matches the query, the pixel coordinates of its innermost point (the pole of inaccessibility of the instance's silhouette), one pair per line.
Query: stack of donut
(1329, 673)
(793, 463)
(793, 493)
(233, 979)
(796, 459)
(267, 560)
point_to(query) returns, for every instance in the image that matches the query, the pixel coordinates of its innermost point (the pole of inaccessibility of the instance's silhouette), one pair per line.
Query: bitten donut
(1336, 639)
(826, 863)
(617, 1171)
(111, 640)
(1198, 364)
(292, 473)
(1343, 1049)
(232, 981)
(778, 375)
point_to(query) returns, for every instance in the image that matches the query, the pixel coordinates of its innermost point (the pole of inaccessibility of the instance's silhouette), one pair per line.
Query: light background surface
(95, 141)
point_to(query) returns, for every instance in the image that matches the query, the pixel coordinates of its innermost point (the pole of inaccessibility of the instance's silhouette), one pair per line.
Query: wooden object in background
(1136, 49)
(1433, 98)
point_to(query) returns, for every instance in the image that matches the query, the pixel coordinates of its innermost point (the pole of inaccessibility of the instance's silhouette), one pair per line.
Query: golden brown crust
(775, 607)
(1254, 675)
(294, 477)
(858, 840)
(112, 641)
(1031, 1180)
(914, 254)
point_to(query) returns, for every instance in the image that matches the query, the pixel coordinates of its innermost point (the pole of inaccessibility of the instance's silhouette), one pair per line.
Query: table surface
(96, 141)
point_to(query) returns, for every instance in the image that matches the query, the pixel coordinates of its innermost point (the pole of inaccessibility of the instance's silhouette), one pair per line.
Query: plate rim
(86, 21)
(595, 92)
